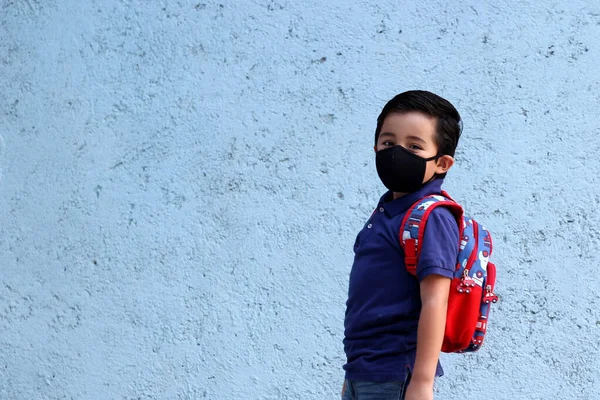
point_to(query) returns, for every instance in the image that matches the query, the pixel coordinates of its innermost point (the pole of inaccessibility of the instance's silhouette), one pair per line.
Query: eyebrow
(412, 137)
(417, 139)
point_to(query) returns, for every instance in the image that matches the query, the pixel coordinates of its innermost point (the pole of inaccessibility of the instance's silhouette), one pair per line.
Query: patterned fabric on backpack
(472, 287)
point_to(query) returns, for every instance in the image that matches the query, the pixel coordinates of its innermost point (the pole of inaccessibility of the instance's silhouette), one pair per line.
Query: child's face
(415, 132)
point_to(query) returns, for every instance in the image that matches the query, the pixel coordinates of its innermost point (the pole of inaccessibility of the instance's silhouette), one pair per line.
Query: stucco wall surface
(182, 183)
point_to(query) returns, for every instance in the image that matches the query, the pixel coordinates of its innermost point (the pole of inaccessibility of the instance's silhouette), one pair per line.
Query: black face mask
(400, 170)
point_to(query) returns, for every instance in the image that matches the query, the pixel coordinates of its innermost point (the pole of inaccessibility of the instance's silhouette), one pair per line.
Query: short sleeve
(439, 247)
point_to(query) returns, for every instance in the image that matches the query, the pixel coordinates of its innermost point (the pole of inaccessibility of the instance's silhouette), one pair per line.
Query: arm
(430, 334)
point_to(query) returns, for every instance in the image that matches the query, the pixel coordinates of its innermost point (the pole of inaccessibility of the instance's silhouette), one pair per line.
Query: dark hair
(449, 124)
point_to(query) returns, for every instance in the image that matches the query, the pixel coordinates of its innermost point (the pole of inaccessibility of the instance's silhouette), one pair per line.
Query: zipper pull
(489, 297)
(466, 283)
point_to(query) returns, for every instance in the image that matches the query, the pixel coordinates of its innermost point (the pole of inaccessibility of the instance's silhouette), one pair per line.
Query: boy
(394, 323)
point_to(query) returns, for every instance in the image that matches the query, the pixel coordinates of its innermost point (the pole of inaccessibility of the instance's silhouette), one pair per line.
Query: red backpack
(472, 287)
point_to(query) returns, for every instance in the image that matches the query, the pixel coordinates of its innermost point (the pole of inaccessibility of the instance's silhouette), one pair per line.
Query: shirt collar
(402, 204)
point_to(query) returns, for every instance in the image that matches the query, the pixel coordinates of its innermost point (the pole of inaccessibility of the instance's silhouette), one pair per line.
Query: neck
(397, 195)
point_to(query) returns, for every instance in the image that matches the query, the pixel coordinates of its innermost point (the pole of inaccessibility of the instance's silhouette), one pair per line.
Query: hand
(344, 388)
(419, 391)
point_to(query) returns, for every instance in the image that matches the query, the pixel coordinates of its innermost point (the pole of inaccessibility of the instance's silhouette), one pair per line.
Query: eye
(388, 143)
(415, 147)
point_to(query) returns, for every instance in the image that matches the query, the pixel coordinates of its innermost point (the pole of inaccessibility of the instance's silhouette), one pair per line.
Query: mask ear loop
(434, 176)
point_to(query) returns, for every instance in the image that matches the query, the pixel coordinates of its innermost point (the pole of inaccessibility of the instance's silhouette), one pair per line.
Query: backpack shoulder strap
(413, 225)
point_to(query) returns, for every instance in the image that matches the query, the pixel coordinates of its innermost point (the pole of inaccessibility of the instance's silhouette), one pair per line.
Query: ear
(375, 148)
(444, 163)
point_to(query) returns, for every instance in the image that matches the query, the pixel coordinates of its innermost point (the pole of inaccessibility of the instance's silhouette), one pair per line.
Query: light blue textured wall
(182, 182)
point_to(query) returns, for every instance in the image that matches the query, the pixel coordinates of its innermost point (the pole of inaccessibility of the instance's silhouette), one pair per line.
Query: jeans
(358, 390)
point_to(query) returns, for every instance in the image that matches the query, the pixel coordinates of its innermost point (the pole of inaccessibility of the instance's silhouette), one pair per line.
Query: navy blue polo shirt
(384, 304)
